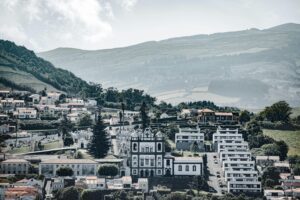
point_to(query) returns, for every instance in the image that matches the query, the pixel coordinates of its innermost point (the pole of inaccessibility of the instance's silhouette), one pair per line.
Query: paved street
(215, 170)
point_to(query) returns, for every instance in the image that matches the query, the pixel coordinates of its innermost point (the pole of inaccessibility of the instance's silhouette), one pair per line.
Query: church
(148, 157)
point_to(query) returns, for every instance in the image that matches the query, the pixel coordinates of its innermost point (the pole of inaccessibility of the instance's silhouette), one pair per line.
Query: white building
(188, 137)
(238, 145)
(274, 194)
(25, 113)
(226, 134)
(229, 165)
(14, 166)
(82, 138)
(94, 183)
(148, 158)
(235, 156)
(80, 167)
(188, 166)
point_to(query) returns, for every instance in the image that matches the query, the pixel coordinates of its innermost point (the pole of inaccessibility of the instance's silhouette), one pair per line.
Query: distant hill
(250, 68)
(21, 69)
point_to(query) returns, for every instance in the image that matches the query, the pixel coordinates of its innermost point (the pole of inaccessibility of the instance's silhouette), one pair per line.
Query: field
(292, 138)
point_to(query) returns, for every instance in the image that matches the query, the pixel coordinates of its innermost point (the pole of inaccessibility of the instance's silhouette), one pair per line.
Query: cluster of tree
(279, 111)
(108, 170)
(65, 128)
(204, 104)
(256, 139)
(189, 195)
(294, 162)
(270, 177)
(38, 125)
(64, 171)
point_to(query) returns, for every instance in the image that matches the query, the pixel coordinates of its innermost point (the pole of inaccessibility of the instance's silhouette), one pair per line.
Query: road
(213, 168)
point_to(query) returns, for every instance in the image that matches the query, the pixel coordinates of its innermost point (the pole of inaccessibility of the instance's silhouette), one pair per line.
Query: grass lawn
(292, 138)
(23, 149)
(52, 145)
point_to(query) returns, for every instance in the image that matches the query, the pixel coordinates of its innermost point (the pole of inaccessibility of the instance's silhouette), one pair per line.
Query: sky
(43, 25)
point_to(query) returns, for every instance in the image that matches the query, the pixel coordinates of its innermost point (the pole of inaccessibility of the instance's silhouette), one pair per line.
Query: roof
(127, 179)
(188, 160)
(15, 161)
(267, 157)
(206, 110)
(69, 161)
(223, 114)
(281, 164)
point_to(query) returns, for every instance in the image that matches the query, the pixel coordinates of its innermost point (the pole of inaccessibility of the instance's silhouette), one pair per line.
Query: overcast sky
(97, 24)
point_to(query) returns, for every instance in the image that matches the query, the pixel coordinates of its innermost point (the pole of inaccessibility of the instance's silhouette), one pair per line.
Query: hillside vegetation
(24, 68)
(291, 138)
(251, 68)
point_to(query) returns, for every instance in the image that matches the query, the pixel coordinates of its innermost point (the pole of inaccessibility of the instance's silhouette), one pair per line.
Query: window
(134, 146)
(142, 162)
(168, 162)
(134, 172)
(146, 161)
(179, 168)
(152, 162)
(194, 168)
(159, 172)
(159, 147)
(187, 168)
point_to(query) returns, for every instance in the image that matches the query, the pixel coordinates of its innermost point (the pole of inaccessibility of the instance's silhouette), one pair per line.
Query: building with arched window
(148, 157)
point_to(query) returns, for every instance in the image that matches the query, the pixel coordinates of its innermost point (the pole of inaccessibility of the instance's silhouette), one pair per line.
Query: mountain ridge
(180, 66)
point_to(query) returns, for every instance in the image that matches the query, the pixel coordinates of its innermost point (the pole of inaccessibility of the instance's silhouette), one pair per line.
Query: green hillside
(290, 137)
(22, 67)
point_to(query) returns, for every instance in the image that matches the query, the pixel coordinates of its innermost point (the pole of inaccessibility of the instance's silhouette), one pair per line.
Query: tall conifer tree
(99, 145)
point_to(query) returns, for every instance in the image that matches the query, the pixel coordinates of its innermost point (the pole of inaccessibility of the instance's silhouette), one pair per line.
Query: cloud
(128, 4)
(51, 23)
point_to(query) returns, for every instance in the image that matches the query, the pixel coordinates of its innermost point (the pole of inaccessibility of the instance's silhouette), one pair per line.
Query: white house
(80, 167)
(25, 113)
(14, 166)
(188, 166)
(82, 138)
(188, 137)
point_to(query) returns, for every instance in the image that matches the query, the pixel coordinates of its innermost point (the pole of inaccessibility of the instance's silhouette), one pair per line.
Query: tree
(271, 149)
(65, 126)
(296, 170)
(68, 141)
(99, 145)
(108, 170)
(279, 111)
(244, 116)
(283, 149)
(92, 195)
(85, 120)
(270, 173)
(69, 193)
(198, 183)
(144, 116)
(64, 171)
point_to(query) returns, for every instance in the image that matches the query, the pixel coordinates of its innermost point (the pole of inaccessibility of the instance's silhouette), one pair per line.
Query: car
(216, 162)
(215, 156)
(218, 176)
(218, 172)
(223, 192)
